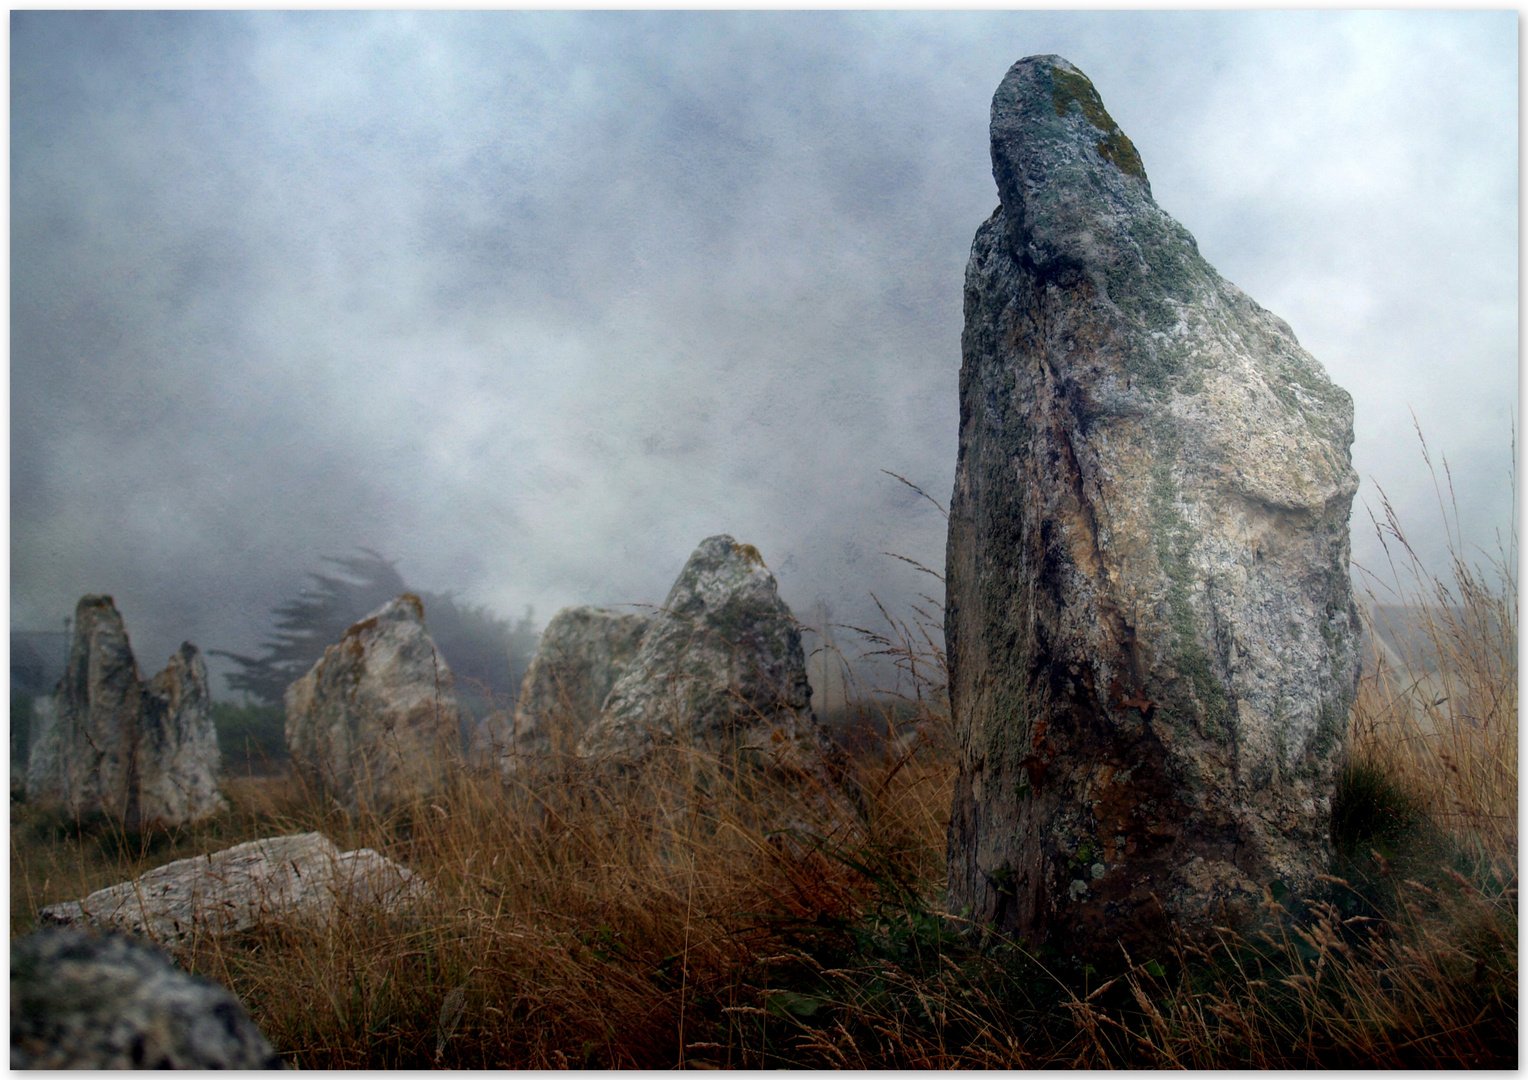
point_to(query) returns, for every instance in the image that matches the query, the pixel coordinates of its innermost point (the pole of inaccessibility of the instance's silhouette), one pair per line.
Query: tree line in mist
(487, 655)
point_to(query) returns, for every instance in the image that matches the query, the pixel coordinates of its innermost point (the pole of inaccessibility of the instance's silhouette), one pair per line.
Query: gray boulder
(720, 667)
(106, 743)
(281, 879)
(583, 653)
(85, 1002)
(375, 723)
(1150, 626)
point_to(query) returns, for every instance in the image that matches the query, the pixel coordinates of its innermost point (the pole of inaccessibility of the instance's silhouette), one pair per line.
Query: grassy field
(701, 916)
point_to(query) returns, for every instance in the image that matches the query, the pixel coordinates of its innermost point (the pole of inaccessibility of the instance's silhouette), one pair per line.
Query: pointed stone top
(92, 603)
(98, 625)
(1063, 167)
(717, 571)
(406, 607)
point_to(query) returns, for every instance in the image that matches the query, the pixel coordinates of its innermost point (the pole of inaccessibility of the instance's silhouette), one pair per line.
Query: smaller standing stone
(721, 667)
(45, 769)
(375, 722)
(112, 1002)
(178, 744)
(583, 652)
(98, 703)
(106, 743)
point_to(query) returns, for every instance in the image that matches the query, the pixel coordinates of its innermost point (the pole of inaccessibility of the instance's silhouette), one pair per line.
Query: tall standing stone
(583, 652)
(1150, 625)
(375, 722)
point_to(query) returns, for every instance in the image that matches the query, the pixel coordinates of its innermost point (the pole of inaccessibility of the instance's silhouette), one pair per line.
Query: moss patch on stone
(751, 555)
(1073, 87)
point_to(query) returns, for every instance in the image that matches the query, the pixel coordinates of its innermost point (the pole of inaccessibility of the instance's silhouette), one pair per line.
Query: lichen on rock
(1150, 626)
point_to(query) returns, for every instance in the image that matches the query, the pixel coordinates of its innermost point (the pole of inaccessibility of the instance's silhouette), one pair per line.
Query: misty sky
(534, 302)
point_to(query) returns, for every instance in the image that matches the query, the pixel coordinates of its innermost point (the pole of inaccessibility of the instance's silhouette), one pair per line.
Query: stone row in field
(719, 667)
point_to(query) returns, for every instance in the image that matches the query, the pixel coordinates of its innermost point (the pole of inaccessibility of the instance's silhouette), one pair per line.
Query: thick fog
(532, 303)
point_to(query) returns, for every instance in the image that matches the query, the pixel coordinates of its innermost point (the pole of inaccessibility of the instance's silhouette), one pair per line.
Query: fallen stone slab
(278, 879)
(81, 1001)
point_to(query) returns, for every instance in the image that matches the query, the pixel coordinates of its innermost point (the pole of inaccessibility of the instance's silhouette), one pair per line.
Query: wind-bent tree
(487, 654)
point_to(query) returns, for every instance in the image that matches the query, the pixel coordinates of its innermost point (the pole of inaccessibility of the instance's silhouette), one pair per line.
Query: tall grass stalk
(1439, 704)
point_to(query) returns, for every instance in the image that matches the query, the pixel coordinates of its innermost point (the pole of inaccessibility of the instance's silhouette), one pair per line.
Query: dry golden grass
(705, 915)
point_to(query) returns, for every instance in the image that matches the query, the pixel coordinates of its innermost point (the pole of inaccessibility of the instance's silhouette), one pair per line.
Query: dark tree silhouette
(487, 655)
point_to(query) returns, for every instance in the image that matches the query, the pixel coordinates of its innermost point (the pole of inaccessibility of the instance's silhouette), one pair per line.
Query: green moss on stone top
(751, 555)
(1073, 87)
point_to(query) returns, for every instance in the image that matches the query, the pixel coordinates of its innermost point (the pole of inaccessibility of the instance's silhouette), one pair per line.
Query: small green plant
(1371, 812)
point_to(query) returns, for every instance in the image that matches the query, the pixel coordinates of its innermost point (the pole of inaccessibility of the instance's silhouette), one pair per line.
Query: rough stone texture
(583, 653)
(106, 743)
(97, 704)
(1150, 625)
(375, 722)
(85, 1002)
(179, 761)
(278, 879)
(720, 667)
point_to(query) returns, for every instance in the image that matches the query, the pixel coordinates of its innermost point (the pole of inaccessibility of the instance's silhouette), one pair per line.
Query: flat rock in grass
(81, 1001)
(720, 667)
(278, 879)
(1150, 625)
(375, 723)
(583, 653)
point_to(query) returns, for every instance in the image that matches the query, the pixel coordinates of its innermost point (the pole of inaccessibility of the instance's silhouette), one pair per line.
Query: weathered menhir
(1150, 623)
(107, 742)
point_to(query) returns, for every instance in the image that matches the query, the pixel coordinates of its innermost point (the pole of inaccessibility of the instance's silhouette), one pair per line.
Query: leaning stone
(1150, 624)
(179, 762)
(282, 879)
(375, 723)
(84, 1002)
(583, 653)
